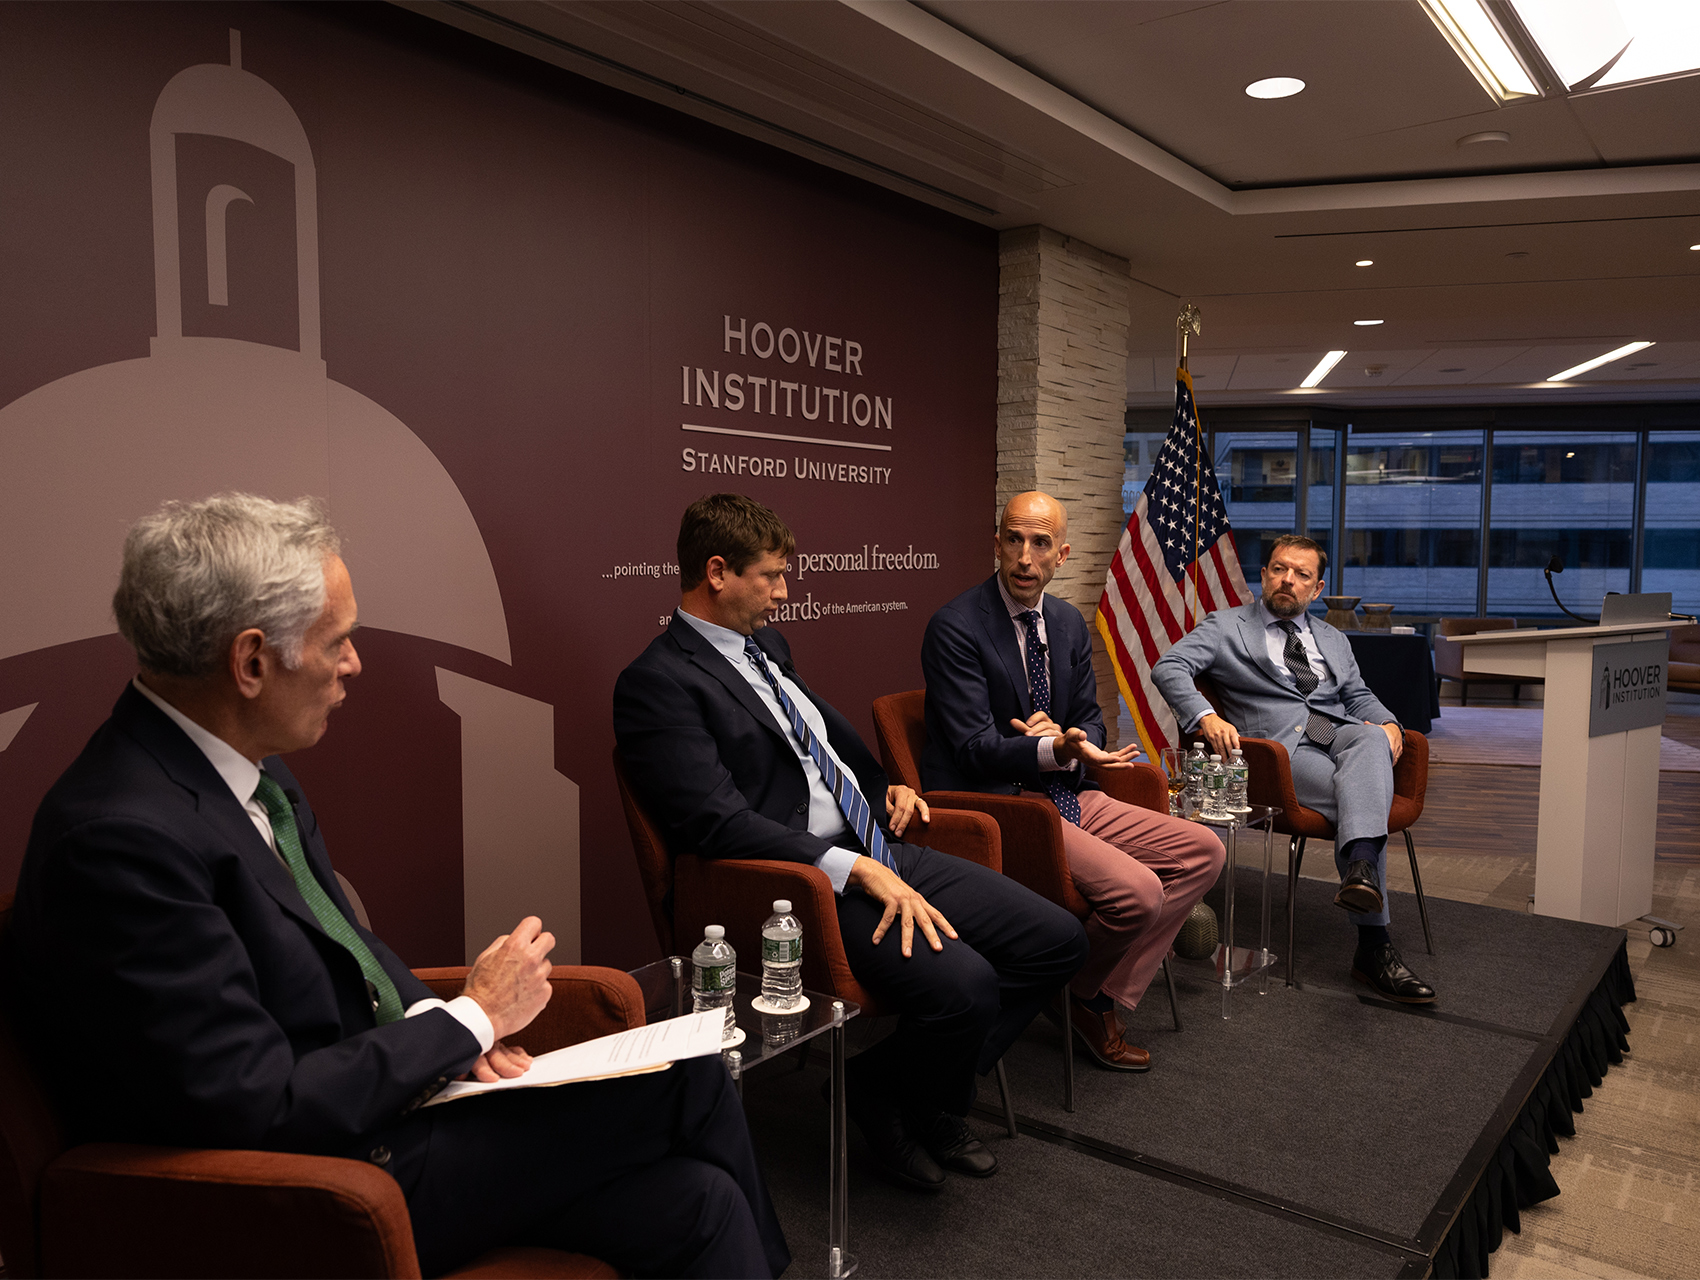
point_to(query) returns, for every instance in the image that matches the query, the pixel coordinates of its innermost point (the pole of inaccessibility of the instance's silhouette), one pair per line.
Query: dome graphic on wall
(84, 456)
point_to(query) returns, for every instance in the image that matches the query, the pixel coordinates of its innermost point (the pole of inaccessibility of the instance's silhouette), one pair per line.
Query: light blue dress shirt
(1276, 637)
(826, 819)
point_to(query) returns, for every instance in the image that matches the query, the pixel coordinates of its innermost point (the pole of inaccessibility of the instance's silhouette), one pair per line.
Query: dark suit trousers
(961, 1007)
(653, 1173)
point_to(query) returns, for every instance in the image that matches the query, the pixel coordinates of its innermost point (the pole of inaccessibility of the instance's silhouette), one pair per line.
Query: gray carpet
(1318, 1131)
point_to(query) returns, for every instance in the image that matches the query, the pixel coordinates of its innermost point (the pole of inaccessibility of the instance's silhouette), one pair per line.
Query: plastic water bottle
(1215, 788)
(1195, 778)
(1239, 775)
(781, 957)
(714, 976)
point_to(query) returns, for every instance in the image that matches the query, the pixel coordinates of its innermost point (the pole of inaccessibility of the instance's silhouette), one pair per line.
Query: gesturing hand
(885, 886)
(1038, 725)
(1075, 745)
(901, 803)
(510, 978)
(503, 1062)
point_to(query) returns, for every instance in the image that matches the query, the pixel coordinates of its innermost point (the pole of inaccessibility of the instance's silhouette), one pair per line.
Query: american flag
(1176, 562)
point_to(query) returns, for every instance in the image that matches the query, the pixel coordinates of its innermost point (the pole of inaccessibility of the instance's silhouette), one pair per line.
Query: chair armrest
(587, 1001)
(1410, 777)
(111, 1209)
(1031, 833)
(1144, 786)
(738, 893)
(962, 833)
(1269, 770)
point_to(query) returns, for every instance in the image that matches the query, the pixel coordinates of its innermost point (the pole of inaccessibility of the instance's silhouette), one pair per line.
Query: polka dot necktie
(850, 799)
(1319, 728)
(1039, 685)
(386, 1003)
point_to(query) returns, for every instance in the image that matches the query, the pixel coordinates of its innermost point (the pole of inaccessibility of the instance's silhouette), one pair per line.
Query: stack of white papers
(651, 1048)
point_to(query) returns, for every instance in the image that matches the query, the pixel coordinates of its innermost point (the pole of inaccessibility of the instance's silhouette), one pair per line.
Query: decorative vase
(1377, 617)
(1342, 612)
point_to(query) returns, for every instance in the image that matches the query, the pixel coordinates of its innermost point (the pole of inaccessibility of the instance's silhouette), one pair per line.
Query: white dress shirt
(1275, 636)
(1047, 744)
(242, 776)
(826, 819)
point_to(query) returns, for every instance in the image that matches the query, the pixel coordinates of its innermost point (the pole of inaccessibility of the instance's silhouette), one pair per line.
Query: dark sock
(1099, 1003)
(1371, 936)
(1364, 848)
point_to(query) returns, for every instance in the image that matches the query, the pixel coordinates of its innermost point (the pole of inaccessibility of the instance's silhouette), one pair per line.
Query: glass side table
(666, 987)
(1236, 965)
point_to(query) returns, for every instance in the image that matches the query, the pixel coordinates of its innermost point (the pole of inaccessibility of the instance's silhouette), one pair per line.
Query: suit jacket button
(804, 807)
(380, 1156)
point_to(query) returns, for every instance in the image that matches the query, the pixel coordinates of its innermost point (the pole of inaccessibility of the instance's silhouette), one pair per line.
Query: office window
(1570, 494)
(1670, 556)
(1258, 471)
(1319, 485)
(1413, 521)
(1139, 452)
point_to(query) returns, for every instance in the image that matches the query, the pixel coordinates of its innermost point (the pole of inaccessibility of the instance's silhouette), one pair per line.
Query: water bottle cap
(1217, 759)
(715, 932)
(781, 906)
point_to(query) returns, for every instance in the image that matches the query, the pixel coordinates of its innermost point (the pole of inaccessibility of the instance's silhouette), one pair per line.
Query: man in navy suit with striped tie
(736, 758)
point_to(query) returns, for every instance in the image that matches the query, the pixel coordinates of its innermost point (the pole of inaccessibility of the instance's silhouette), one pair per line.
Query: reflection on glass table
(1235, 965)
(666, 987)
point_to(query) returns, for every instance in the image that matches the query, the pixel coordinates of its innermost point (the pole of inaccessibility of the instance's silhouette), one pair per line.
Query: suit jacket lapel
(707, 658)
(1256, 638)
(1000, 631)
(186, 765)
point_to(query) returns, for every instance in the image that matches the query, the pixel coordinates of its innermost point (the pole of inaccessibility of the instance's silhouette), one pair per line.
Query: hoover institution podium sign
(1605, 706)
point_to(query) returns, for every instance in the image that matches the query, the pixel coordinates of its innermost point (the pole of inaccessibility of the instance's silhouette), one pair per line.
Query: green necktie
(387, 1004)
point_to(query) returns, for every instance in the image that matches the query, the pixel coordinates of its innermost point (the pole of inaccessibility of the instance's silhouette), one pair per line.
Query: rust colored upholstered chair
(110, 1209)
(1449, 657)
(1033, 853)
(1271, 783)
(688, 893)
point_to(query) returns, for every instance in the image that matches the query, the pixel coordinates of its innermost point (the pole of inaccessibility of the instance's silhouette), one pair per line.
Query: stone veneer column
(1062, 398)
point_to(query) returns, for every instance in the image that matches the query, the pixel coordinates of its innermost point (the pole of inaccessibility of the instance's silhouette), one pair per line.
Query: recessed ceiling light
(1457, 368)
(1370, 262)
(1517, 255)
(1323, 365)
(1365, 323)
(1627, 349)
(1275, 87)
(1693, 248)
(1486, 135)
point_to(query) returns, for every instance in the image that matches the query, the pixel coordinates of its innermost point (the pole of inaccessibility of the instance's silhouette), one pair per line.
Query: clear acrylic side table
(1236, 965)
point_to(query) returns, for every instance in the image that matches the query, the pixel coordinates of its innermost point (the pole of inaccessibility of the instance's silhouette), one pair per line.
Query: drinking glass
(1174, 765)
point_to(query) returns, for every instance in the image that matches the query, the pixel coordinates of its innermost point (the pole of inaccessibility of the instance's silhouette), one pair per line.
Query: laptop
(1648, 606)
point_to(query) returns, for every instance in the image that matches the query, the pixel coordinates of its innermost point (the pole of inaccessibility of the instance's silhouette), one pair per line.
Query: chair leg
(1463, 693)
(1008, 1106)
(1516, 693)
(1174, 1005)
(803, 1055)
(1295, 858)
(1068, 1051)
(1422, 902)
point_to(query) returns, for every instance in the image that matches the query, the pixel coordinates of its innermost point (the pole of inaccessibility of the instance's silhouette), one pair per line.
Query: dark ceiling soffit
(1571, 417)
(714, 104)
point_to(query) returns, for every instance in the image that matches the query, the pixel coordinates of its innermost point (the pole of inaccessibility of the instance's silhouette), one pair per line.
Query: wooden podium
(1599, 781)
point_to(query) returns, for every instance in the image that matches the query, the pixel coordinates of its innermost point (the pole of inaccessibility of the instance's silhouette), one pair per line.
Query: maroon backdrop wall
(528, 271)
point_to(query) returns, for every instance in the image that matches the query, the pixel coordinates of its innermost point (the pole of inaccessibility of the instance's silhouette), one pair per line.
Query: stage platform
(1318, 1132)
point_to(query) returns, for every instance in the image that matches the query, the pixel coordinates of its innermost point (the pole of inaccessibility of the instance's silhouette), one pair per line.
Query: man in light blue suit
(1286, 676)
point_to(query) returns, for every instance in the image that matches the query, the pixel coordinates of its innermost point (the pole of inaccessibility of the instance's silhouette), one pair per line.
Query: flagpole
(1190, 322)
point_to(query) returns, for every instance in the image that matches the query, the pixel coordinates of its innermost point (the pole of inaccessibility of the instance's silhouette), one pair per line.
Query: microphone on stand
(1556, 565)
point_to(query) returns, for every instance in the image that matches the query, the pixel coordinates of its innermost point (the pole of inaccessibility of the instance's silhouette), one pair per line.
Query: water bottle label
(781, 950)
(715, 977)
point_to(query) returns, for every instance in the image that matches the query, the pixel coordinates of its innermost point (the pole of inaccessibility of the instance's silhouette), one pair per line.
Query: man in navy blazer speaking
(190, 965)
(1012, 705)
(737, 758)
(1284, 675)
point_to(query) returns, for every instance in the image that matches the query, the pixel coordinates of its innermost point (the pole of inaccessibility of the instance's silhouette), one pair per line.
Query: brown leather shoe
(1101, 1033)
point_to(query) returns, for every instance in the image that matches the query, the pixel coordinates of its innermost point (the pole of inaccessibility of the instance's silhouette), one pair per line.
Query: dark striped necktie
(386, 1002)
(1319, 728)
(851, 802)
(1039, 686)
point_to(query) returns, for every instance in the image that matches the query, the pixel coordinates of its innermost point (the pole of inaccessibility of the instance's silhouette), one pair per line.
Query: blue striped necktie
(849, 797)
(1039, 685)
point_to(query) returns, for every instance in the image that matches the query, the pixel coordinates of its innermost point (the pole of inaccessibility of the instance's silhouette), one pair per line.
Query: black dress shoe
(896, 1155)
(1382, 968)
(1359, 891)
(952, 1144)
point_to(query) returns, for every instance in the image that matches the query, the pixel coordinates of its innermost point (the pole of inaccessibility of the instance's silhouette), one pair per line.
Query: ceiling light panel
(1323, 365)
(1477, 39)
(1595, 44)
(1628, 349)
